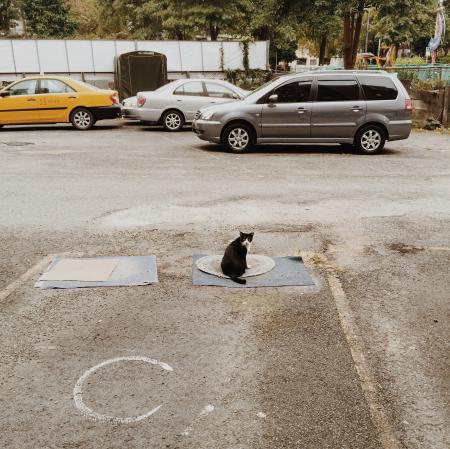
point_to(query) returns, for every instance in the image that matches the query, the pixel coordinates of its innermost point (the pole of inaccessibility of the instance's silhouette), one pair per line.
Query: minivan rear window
(337, 90)
(378, 88)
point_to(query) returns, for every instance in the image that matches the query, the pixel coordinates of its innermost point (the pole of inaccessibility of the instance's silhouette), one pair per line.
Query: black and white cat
(234, 261)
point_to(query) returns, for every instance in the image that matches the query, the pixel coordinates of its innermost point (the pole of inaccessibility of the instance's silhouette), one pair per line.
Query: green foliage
(173, 19)
(432, 124)
(407, 75)
(405, 20)
(9, 10)
(85, 14)
(414, 60)
(48, 18)
(444, 59)
(250, 79)
(428, 85)
(278, 21)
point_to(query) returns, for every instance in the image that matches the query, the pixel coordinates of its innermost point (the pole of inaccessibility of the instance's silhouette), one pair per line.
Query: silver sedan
(176, 103)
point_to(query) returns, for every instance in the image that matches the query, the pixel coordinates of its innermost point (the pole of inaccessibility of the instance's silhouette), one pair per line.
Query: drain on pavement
(17, 144)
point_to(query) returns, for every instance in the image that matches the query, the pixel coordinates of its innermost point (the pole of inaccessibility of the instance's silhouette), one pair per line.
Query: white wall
(97, 56)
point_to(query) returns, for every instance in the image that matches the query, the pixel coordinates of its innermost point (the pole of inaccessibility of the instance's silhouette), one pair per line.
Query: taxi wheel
(82, 119)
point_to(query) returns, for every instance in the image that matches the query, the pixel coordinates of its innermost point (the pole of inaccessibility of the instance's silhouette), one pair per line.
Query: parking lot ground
(360, 361)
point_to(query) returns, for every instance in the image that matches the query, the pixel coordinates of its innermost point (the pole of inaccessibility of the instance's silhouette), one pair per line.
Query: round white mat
(259, 265)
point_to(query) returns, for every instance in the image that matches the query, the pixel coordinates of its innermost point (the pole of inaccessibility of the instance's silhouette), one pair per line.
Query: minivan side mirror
(273, 98)
(236, 97)
(7, 93)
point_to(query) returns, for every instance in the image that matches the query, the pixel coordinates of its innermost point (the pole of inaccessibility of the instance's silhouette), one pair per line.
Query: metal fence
(405, 72)
(423, 72)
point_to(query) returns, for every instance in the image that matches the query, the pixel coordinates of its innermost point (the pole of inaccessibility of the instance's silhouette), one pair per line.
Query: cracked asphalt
(364, 366)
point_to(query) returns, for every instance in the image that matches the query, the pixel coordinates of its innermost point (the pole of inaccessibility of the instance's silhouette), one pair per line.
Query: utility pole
(367, 27)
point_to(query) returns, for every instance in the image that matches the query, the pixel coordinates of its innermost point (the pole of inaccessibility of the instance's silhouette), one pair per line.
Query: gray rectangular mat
(288, 271)
(130, 270)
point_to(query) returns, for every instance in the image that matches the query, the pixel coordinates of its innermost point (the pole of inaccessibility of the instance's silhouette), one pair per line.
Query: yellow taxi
(56, 99)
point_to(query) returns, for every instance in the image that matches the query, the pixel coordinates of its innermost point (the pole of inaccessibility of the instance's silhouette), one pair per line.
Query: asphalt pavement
(360, 361)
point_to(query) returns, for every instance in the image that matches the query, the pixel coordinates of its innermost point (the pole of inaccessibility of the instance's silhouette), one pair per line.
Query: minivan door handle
(357, 108)
(301, 110)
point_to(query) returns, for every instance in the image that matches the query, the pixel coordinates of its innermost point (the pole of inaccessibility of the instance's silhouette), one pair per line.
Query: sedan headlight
(207, 115)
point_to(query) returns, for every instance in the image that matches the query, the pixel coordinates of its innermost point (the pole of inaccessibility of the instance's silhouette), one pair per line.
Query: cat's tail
(238, 280)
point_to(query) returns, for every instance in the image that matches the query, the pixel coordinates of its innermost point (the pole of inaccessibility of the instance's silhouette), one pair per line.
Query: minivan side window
(337, 90)
(378, 88)
(296, 92)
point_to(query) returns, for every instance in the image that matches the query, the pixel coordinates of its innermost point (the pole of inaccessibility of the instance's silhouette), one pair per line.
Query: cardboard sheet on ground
(80, 270)
(123, 271)
(288, 271)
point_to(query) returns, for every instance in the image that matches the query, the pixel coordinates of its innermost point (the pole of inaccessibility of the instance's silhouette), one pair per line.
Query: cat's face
(246, 239)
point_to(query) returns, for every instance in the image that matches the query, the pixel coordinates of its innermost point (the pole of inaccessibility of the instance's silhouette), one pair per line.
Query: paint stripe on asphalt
(386, 433)
(29, 274)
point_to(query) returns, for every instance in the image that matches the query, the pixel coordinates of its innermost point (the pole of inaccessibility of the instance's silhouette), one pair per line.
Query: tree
(321, 24)
(404, 21)
(275, 20)
(8, 12)
(221, 16)
(352, 12)
(85, 14)
(48, 18)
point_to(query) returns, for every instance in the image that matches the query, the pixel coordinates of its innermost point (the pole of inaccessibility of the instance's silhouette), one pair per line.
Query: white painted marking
(261, 415)
(387, 436)
(206, 411)
(91, 414)
(29, 274)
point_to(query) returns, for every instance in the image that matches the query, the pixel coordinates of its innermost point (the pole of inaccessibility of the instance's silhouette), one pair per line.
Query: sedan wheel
(82, 119)
(173, 121)
(370, 140)
(238, 138)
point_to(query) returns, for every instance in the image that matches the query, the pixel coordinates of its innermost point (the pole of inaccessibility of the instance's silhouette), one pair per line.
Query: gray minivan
(360, 108)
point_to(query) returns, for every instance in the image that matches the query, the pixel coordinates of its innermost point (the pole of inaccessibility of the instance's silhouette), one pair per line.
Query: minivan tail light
(114, 98)
(408, 105)
(141, 100)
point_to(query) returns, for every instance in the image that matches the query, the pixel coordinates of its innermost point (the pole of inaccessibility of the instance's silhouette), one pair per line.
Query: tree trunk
(348, 41)
(213, 31)
(179, 34)
(356, 36)
(5, 15)
(322, 49)
(352, 33)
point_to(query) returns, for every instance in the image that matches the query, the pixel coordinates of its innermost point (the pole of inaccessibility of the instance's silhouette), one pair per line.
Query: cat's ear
(251, 234)
(241, 234)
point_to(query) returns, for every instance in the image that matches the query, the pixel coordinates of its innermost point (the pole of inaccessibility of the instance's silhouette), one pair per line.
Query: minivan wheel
(370, 139)
(82, 119)
(238, 138)
(172, 121)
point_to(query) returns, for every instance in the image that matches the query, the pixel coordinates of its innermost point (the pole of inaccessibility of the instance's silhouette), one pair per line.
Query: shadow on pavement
(293, 149)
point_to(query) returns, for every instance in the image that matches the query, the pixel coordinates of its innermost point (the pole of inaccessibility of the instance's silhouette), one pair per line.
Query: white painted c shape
(91, 414)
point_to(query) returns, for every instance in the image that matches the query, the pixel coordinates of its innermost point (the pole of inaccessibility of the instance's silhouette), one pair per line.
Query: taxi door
(18, 103)
(54, 99)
